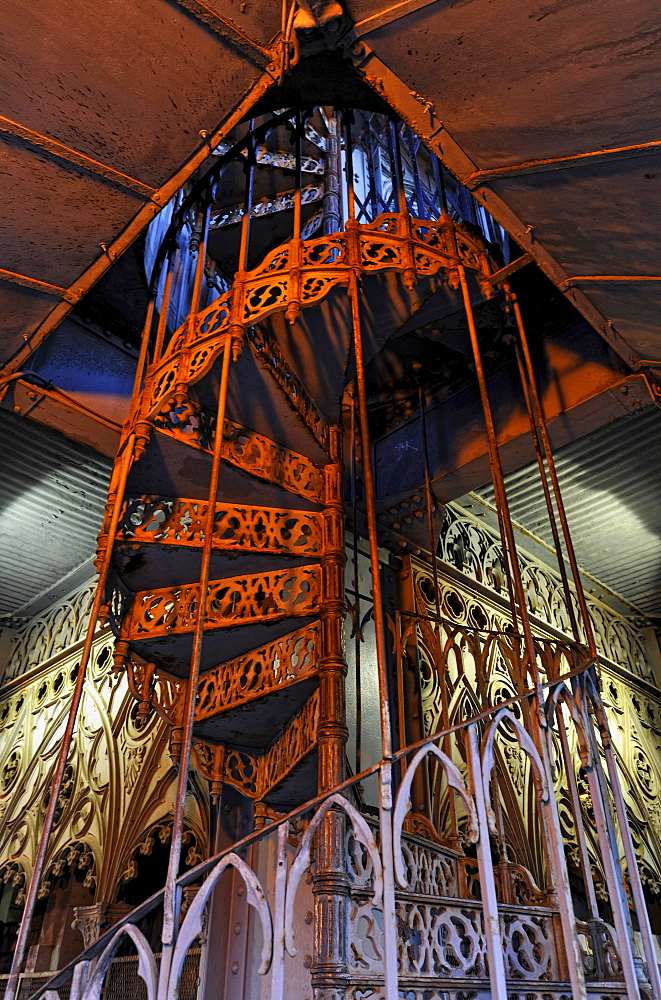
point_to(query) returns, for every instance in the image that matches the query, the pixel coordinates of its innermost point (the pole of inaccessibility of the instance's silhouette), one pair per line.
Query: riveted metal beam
(390, 14)
(61, 152)
(579, 279)
(526, 167)
(228, 31)
(39, 286)
(505, 272)
(426, 121)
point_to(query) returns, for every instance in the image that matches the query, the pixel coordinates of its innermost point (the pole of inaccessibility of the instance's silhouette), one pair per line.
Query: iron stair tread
(172, 466)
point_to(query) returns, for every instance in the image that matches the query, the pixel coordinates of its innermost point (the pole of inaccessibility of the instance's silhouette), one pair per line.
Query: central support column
(330, 885)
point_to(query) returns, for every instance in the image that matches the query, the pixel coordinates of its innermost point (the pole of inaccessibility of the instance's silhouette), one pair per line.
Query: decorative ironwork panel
(264, 670)
(281, 662)
(236, 527)
(236, 600)
(472, 548)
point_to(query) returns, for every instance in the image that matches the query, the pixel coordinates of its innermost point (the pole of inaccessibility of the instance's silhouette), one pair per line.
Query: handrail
(143, 909)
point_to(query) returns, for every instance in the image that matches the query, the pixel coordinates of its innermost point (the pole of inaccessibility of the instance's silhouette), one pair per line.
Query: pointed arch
(146, 963)
(192, 924)
(525, 742)
(403, 803)
(363, 835)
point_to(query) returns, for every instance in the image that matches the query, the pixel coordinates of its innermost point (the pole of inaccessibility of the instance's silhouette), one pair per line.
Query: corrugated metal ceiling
(611, 484)
(52, 493)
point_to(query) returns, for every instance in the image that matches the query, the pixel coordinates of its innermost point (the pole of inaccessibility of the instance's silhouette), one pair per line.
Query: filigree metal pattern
(295, 277)
(232, 601)
(472, 548)
(237, 528)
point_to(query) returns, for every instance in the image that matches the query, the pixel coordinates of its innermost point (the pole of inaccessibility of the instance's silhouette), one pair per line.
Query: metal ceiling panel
(611, 483)
(260, 19)
(634, 308)
(594, 219)
(129, 84)
(516, 81)
(52, 495)
(21, 311)
(53, 218)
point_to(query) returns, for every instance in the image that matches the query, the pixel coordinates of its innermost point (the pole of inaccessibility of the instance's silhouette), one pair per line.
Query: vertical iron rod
(173, 268)
(485, 864)
(541, 423)
(121, 469)
(385, 772)
(196, 294)
(551, 823)
(172, 893)
(534, 428)
(356, 589)
(446, 744)
(568, 762)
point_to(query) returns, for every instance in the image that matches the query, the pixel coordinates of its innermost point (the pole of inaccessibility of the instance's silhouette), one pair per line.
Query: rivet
(240, 891)
(308, 878)
(308, 917)
(307, 961)
(237, 928)
(235, 968)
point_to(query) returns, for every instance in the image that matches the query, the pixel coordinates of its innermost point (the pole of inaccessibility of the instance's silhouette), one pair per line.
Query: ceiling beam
(480, 177)
(389, 14)
(423, 117)
(38, 286)
(72, 156)
(578, 279)
(228, 31)
(139, 222)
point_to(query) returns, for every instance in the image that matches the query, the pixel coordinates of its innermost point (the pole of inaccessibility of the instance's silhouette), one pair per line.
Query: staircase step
(177, 463)
(265, 688)
(237, 528)
(160, 539)
(285, 775)
(264, 392)
(160, 622)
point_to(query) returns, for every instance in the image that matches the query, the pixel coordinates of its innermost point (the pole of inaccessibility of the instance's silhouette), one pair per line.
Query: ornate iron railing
(445, 938)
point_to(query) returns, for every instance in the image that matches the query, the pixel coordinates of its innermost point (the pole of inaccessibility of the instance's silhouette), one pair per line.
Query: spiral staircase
(274, 606)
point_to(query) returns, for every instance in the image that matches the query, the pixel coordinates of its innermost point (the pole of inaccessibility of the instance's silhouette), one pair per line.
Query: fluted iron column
(330, 975)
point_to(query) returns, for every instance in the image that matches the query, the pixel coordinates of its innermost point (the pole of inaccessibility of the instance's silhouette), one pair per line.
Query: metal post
(630, 855)
(332, 203)
(171, 900)
(172, 273)
(548, 453)
(430, 503)
(203, 230)
(385, 772)
(576, 810)
(280, 890)
(356, 590)
(120, 475)
(330, 882)
(485, 864)
(116, 490)
(612, 869)
(537, 721)
(533, 420)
